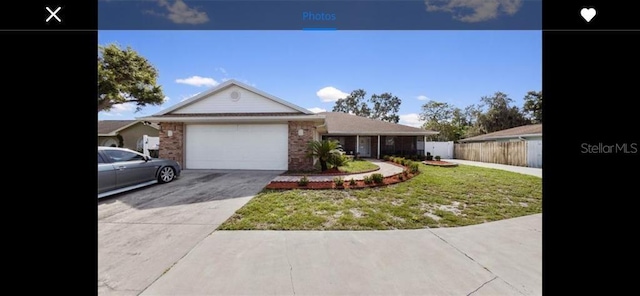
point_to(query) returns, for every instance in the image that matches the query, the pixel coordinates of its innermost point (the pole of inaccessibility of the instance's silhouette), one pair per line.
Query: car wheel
(167, 174)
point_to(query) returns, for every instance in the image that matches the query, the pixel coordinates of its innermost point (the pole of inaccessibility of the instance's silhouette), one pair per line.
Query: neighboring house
(526, 132)
(236, 126)
(515, 146)
(130, 132)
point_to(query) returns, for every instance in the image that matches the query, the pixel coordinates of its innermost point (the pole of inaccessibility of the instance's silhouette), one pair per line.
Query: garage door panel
(239, 146)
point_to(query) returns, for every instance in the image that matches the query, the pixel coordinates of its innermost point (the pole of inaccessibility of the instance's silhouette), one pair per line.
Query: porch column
(424, 149)
(357, 145)
(378, 146)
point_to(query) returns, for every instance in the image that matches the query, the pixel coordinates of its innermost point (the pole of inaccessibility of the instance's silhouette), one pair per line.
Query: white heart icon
(588, 13)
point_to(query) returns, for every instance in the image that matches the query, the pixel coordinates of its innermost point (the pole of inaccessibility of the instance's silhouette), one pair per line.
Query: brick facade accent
(298, 160)
(172, 147)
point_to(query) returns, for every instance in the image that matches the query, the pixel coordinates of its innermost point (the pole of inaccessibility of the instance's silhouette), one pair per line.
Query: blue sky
(312, 69)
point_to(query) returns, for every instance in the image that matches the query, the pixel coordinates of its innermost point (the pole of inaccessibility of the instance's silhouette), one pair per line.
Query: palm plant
(323, 150)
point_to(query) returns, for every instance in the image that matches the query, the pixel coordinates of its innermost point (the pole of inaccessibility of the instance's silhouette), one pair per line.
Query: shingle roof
(110, 126)
(344, 123)
(533, 129)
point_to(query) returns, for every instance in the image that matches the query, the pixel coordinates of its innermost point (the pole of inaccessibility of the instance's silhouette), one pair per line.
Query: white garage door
(237, 146)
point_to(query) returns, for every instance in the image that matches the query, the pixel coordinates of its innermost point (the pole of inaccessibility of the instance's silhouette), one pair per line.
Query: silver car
(121, 169)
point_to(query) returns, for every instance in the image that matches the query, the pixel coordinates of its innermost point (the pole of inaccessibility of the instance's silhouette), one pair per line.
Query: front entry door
(365, 147)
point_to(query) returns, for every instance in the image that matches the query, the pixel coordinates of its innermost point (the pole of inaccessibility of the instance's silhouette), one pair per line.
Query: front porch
(379, 145)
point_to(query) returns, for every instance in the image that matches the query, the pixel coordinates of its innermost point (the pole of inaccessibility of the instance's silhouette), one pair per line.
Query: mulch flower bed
(440, 163)
(332, 185)
(328, 172)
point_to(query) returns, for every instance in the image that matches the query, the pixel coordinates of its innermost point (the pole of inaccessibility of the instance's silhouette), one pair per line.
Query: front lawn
(438, 197)
(357, 166)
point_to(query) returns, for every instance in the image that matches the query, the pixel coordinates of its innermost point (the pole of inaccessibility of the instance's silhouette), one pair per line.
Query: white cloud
(422, 98)
(473, 11)
(126, 107)
(411, 119)
(180, 13)
(198, 81)
(330, 94)
(117, 110)
(317, 110)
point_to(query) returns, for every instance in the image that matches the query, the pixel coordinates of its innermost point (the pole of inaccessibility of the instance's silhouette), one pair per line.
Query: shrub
(400, 177)
(352, 182)
(405, 173)
(339, 181)
(438, 157)
(304, 181)
(398, 160)
(422, 157)
(337, 160)
(386, 157)
(377, 178)
(367, 180)
(414, 167)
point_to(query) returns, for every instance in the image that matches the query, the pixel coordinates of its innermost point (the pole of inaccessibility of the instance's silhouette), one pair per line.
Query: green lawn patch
(437, 197)
(357, 166)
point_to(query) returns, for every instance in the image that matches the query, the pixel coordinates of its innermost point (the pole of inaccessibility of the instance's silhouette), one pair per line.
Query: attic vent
(235, 96)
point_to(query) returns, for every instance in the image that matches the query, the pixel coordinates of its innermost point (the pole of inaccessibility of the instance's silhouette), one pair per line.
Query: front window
(389, 141)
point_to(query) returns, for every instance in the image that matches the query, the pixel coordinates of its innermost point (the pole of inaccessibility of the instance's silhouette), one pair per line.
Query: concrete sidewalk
(517, 169)
(386, 169)
(496, 258)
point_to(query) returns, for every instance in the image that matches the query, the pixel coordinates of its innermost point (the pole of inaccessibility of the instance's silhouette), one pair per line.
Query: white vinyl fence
(443, 149)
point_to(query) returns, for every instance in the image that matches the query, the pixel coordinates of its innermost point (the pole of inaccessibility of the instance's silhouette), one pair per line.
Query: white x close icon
(53, 14)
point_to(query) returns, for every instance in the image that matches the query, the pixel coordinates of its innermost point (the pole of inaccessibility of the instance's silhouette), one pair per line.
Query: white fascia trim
(224, 85)
(223, 119)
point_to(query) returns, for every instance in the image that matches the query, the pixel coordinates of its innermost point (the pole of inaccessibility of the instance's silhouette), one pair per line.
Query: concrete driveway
(143, 233)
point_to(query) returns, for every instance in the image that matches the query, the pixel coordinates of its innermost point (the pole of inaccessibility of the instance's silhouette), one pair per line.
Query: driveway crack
(478, 288)
(476, 262)
(286, 253)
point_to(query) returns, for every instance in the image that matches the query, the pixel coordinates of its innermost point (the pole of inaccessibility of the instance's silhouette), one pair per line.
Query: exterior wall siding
(221, 102)
(172, 147)
(132, 134)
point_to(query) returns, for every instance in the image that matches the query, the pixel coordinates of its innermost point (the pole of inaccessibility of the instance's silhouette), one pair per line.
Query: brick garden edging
(323, 185)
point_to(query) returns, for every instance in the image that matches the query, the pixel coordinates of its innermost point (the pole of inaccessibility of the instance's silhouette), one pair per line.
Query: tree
(126, 77)
(500, 114)
(451, 122)
(533, 106)
(323, 150)
(384, 107)
(354, 103)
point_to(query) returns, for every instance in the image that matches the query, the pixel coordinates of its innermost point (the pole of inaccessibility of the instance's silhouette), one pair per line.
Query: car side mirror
(147, 158)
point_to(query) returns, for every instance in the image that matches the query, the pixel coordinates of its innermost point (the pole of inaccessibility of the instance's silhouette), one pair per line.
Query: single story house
(125, 133)
(525, 132)
(236, 126)
(520, 145)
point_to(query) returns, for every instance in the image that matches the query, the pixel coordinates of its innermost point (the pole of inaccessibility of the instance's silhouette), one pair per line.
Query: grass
(358, 165)
(353, 167)
(438, 197)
